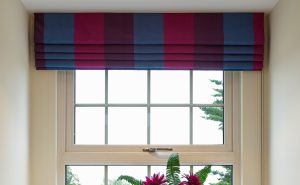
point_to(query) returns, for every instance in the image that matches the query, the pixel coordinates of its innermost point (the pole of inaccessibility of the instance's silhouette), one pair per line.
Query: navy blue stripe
(238, 29)
(59, 29)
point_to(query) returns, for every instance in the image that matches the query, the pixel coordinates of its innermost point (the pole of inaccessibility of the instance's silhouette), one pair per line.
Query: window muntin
(163, 114)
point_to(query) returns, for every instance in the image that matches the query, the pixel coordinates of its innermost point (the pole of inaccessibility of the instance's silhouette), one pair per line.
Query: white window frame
(71, 154)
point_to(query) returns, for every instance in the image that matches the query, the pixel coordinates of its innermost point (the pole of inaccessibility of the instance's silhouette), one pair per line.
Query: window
(110, 116)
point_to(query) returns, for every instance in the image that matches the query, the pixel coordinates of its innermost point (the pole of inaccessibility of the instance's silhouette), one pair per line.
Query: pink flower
(156, 179)
(191, 179)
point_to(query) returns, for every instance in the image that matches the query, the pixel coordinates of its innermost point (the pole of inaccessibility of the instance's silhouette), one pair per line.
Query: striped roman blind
(175, 41)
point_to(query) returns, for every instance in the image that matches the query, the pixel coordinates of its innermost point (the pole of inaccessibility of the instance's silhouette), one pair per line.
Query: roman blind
(175, 41)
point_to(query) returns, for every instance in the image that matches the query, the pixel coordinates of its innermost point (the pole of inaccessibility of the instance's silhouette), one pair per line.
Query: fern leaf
(203, 173)
(173, 169)
(130, 180)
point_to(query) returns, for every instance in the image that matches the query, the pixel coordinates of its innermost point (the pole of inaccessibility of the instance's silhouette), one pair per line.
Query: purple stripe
(119, 30)
(209, 29)
(39, 28)
(217, 65)
(39, 37)
(259, 35)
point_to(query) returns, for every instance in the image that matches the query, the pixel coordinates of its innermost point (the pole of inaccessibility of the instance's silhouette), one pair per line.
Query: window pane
(208, 125)
(89, 125)
(206, 91)
(169, 125)
(90, 86)
(170, 87)
(85, 175)
(219, 175)
(127, 125)
(127, 86)
(138, 172)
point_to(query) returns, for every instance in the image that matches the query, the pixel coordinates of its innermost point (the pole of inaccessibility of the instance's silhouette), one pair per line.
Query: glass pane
(127, 125)
(138, 172)
(219, 175)
(85, 175)
(127, 86)
(170, 125)
(90, 86)
(89, 125)
(170, 87)
(208, 125)
(208, 87)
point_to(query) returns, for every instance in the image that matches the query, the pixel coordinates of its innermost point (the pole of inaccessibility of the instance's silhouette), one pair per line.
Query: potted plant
(172, 175)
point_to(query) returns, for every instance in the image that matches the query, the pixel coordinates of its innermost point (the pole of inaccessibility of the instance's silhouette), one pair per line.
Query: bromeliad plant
(172, 175)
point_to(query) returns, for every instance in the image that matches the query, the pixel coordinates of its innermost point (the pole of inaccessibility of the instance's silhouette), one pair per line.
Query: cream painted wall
(43, 127)
(43, 157)
(14, 94)
(283, 95)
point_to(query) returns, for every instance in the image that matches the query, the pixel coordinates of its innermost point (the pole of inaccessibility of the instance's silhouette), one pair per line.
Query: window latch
(156, 149)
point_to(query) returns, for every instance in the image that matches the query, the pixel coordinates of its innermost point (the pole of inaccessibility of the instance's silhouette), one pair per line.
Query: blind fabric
(175, 41)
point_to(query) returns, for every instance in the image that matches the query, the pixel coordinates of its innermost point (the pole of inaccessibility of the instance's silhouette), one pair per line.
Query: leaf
(217, 111)
(217, 82)
(130, 179)
(218, 101)
(213, 113)
(173, 169)
(203, 173)
(219, 92)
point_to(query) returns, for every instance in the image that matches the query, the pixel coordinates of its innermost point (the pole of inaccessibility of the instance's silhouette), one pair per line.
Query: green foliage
(219, 93)
(216, 113)
(173, 169)
(203, 173)
(219, 102)
(71, 178)
(217, 82)
(225, 177)
(130, 180)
